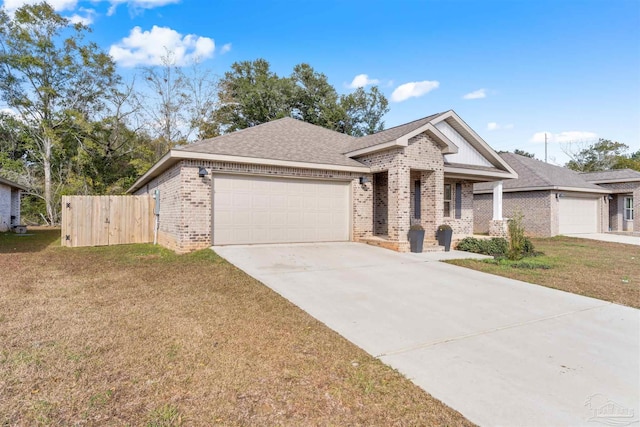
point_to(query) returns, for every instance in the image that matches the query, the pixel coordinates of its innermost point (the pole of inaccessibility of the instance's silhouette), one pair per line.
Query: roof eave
(13, 184)
(477, 175)
(547, 188)
(173, 156)
(614, 181)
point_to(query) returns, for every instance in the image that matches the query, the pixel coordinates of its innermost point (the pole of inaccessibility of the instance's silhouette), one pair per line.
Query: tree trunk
(48, 199)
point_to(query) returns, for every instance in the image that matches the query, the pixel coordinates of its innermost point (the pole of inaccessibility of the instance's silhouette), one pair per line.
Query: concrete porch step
(428, 245)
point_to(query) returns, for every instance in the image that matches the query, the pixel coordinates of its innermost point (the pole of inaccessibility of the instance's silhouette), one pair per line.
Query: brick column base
(499, 228)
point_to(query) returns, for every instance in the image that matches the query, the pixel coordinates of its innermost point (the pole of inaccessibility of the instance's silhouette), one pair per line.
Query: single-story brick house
(624, 199)
(9, 204)
(287, 181)
(556, 200)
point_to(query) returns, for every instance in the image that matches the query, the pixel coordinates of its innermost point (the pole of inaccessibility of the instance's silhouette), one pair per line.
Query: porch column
(399, 203)
(497, 201)
(498, 227)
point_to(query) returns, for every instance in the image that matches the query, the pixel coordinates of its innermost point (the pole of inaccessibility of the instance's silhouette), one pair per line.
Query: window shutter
(416, 201)
(458, 200)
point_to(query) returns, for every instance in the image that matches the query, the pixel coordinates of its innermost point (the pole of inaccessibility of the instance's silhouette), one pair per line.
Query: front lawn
(136, 335)
(608, 271)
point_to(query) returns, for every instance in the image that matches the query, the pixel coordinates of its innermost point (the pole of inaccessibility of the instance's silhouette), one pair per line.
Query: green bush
(516, 238)
(496, 246)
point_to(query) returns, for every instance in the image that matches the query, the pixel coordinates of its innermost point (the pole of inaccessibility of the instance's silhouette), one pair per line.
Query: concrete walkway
(500, 351)
(609, 237)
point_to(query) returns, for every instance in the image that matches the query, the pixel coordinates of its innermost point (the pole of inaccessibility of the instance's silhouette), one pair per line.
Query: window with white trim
(447, 200)
(628, 208)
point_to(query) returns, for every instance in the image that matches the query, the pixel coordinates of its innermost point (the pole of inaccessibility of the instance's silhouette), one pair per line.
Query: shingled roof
(616, 175)
(12, 184)
(283, 139)
(535, 174)
(390, 134)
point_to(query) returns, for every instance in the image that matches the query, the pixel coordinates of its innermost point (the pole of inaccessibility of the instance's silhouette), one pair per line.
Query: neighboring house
(287, 181)
(555, 200)
(9, 204)
(624, 185)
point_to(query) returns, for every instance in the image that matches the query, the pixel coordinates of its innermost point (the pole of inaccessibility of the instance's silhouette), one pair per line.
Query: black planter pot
(444, 239)
(416, 240)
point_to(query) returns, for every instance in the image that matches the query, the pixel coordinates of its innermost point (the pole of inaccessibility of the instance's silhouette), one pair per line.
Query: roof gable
(467, 153)
(390, 134)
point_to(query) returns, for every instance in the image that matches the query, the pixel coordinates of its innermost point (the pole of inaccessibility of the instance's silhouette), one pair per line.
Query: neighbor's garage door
(578, 215)
(249, 209)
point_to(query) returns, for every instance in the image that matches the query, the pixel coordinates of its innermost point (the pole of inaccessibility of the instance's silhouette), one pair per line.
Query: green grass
(603, 270)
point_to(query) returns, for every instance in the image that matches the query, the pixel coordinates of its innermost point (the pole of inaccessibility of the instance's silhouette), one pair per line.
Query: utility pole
(545, 147)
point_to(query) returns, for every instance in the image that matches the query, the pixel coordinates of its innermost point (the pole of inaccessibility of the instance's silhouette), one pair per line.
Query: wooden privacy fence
(106, 220)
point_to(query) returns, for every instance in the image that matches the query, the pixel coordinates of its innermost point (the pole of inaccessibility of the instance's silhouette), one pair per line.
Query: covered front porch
(429, 198)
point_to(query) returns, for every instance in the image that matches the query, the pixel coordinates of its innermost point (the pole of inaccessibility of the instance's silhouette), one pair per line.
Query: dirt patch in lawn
(136, 335)
(607, 271)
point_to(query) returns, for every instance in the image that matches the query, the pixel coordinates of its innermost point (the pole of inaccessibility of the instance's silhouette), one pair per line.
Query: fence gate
(106, 220)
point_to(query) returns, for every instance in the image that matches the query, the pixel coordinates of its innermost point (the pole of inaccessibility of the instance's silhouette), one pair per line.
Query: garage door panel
(250, 210)
(577, 215)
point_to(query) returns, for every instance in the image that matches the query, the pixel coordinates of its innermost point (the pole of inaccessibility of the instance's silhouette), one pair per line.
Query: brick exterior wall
(380, 204)
(616, 206)
(422, 159)
(539, 210)
(463, 226)
(185, 199)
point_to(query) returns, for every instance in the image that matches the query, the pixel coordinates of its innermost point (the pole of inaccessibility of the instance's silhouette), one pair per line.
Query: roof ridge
(404, 124)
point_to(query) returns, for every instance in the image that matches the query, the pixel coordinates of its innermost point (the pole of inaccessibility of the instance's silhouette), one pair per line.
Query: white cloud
(139, 4)
(476, 94)
(564, 137)
(362, 80)
(87, 19)
(413, 90)
(496, 126)
(149, 47)
(57, 5)
(225, 48)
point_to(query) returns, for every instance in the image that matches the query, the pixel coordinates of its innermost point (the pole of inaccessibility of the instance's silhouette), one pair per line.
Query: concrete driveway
(500, 351)
(629, 239)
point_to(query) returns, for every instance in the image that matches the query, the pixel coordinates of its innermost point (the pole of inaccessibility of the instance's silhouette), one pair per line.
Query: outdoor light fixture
(558, 195)
(363, 180)
(202, 171)
(610, 197)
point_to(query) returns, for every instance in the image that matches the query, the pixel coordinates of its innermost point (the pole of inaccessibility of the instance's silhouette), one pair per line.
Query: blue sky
(512, 70)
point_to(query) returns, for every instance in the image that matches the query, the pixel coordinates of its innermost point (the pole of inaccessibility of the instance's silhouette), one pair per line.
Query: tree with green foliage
(603, 155)
(251, 94)
(315, 100)
(364, 111)
(52, 79)
(631, 161)
(524, 153)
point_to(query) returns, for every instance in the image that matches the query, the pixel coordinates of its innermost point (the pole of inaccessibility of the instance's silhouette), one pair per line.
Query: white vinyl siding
(254, 210)
(466, 154)
(577, 215)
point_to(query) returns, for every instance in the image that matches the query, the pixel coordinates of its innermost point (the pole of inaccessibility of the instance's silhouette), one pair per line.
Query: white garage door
(578, 215)
(250, 210)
